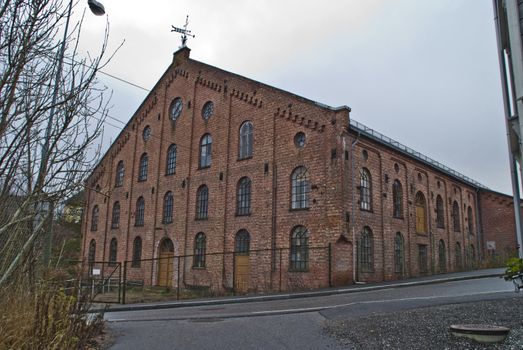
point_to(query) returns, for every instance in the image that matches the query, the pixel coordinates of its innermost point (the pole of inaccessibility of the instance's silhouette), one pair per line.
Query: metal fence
(225, 273)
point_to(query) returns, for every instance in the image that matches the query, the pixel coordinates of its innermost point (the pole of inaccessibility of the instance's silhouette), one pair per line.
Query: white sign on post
(96, 272)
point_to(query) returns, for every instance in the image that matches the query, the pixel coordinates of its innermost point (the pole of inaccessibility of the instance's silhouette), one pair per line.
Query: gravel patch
(428, 328)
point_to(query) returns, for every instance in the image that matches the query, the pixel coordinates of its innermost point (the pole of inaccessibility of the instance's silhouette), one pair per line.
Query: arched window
(91, 257)
(442, 257)
(243, 197)
(115, 219)
(142, 170)
(455, 217)
(170, 167)
(168, 204)
(299, 254)
(440, 212)
(472, 256)
(120, 171)
(242, 242)
(421, 213)
(365, 190)
(140, 212)
(113, 251)
(366, 251)
(205, 151)
(199, 250)
(459, 259)
(202, 202)
(397, 199)
(399, 254)
(245, 144)
(470, 219)
(94, 218)
(300, 188)
(137, 252)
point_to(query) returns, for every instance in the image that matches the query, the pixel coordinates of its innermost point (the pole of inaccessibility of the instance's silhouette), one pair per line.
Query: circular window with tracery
(176, 109)
(207, 110)
(146, 133)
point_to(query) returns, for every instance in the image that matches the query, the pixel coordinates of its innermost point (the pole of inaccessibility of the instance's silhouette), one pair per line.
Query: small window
(202, 202)
(470, 219)
(207, 110)
(120, 170)
(300, 188)
(91, 257)
(459, 259)
(113, 251)
(115, 220)
(299, 254)
(242, 243)
(142, 170)
(422, 259)
(199, 251)
(168, 204)
(146, 133)
(421, 213)
(170, 167)
(365, 190)
(140, 212)
(246, 143)
(243, 198)
(94, 218)
(205, 151)
(176, 109)
(397, 199)
(455, 217)
(396, 168)
(137, 252)
(399, 254)
(366, 251)
(299, 139)
(442, 256)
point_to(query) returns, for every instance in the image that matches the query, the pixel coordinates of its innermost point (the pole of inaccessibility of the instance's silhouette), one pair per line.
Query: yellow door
(165, 264)
(242, 270)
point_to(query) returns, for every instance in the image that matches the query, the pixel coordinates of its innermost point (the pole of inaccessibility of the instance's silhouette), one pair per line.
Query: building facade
(249, 187)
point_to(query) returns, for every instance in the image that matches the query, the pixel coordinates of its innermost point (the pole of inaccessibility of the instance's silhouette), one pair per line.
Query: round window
(207, 110)
(176, 108)
(146, 133)
(299, 139)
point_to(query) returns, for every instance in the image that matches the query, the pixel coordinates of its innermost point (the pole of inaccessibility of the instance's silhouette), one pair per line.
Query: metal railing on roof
(409, 151)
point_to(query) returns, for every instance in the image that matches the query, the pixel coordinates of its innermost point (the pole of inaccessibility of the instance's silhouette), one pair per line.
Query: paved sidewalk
(449, 277)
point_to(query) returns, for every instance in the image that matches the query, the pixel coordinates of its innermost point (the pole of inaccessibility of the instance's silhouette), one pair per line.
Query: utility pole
(510, 54)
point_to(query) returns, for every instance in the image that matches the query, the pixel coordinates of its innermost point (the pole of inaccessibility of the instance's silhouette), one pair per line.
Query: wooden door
(165, 264)
(242, 270)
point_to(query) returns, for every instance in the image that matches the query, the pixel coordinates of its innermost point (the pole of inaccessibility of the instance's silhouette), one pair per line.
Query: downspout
(382, 221)
(228, 98)
(479, 229)
(354, 242)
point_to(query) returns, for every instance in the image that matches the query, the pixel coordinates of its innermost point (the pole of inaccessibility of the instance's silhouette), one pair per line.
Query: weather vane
(184, 32)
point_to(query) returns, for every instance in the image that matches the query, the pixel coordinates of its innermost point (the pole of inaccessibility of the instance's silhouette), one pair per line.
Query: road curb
(318, 293)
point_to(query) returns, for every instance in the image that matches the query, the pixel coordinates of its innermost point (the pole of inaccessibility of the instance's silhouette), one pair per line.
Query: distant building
(73, 208)
(214, 162)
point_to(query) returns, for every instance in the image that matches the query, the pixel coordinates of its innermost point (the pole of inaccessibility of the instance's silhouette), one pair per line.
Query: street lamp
(98, 10)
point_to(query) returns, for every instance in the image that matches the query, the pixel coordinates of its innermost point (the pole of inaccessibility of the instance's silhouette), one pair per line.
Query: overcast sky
(422, 72)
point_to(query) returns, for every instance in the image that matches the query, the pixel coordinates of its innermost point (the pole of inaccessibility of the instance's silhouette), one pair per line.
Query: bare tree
(52, 111)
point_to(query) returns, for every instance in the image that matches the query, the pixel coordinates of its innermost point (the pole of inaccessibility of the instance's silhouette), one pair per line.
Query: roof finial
(184, 32)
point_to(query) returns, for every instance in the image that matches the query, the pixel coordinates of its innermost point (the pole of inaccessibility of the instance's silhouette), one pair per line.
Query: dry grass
(44, 317)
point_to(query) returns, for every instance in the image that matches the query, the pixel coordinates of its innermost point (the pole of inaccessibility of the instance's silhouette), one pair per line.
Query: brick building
(213, 162)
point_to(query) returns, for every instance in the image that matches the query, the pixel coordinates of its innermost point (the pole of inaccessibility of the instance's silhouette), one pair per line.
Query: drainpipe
(479, 229)
(354, 242)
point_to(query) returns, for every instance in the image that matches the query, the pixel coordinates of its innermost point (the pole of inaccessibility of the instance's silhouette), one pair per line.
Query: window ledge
(298, 270)
(244, 158)
(299, 209)
(199, 268)
(240, 215)
(203, 167)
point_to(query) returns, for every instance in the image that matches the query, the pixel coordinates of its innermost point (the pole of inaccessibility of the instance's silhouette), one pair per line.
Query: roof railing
(404, 149)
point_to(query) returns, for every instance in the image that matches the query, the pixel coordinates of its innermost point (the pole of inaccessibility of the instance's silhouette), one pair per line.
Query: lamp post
(98, 10)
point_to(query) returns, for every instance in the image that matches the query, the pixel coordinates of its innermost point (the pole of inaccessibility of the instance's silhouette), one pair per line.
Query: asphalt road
(282, 324)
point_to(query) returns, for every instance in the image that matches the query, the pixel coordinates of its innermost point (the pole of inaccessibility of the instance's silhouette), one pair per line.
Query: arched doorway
(242, 267)
(165, 263)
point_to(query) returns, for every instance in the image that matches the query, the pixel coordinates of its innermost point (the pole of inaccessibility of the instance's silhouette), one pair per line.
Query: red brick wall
(498, 223)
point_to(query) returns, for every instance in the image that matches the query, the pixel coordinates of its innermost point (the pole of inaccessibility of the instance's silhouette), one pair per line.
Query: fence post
(280, 268)
(124, 281)
(178, 279)
(330, 264)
